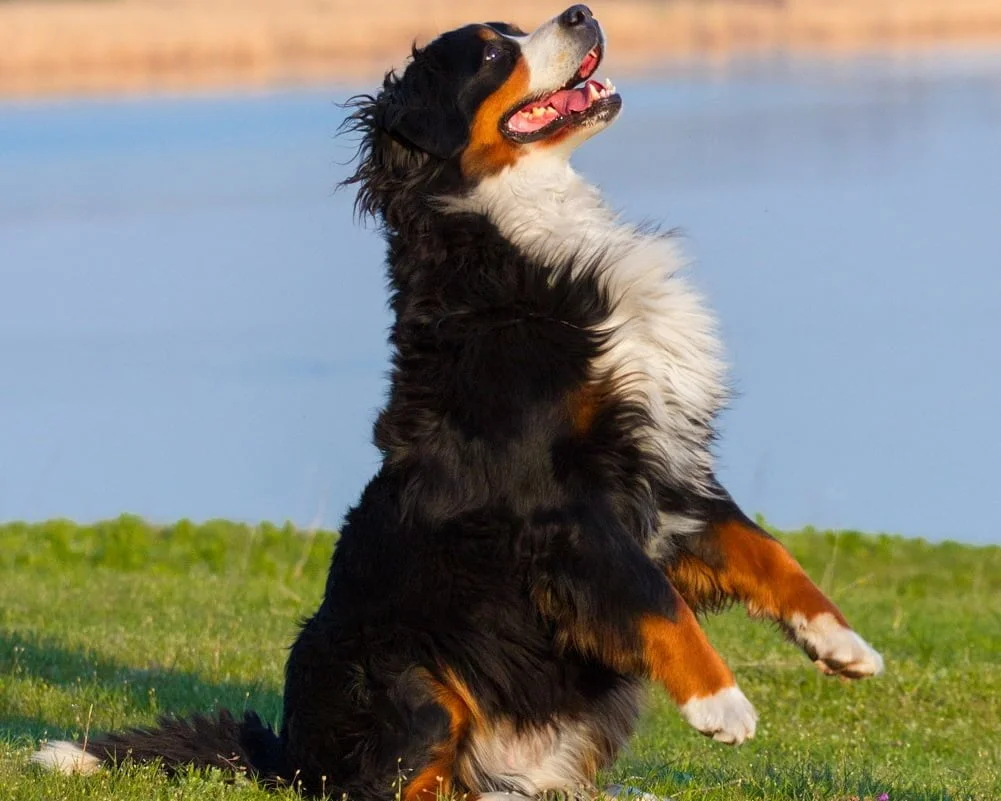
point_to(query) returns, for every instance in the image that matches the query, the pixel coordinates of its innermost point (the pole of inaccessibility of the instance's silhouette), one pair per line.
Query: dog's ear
(404, 148)
(438, 129)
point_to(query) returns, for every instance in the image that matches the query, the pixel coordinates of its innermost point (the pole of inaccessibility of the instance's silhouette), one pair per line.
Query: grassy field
(113, 624)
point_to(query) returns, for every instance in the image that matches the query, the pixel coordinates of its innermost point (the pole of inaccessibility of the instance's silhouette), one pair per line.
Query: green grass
(110, 625)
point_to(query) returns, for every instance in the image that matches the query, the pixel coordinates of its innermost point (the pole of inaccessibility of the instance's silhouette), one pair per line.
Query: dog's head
(478, 99)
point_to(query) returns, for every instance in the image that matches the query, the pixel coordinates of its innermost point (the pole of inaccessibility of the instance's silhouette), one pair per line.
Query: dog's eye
(492, 52)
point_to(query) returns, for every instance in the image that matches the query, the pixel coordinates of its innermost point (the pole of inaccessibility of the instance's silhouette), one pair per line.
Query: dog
(546, 522)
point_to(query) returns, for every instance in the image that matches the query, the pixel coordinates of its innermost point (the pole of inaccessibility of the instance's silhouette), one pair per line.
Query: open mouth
(581, 101)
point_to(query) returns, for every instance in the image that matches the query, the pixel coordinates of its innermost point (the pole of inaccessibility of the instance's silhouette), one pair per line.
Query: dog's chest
(662, 352)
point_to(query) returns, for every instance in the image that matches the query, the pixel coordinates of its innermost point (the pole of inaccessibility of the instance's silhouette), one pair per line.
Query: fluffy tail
(245, 746)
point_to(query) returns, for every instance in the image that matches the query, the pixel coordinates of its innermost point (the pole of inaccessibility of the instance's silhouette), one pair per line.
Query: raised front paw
(726, 716)
(836, 649)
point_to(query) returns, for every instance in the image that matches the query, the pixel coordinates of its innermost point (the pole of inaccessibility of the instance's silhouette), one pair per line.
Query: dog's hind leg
(733, 559)
(439, 779)
(388, 734)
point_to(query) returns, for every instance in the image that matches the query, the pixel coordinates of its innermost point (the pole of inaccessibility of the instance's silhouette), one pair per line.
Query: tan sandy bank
(87, 46)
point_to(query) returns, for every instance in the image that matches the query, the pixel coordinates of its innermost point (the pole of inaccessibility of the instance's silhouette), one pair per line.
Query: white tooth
(608, 84)
(592, 92)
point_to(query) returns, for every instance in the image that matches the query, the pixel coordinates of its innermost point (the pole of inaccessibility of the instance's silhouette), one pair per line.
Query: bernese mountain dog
(546, 522)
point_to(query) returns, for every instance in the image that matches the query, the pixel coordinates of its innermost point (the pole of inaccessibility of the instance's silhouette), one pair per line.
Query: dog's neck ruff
(663, 348)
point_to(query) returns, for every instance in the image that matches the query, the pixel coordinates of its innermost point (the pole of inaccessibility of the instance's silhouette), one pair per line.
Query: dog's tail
(246, 746)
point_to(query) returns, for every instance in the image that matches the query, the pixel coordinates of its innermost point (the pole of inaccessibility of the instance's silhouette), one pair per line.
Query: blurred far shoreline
(106, 47)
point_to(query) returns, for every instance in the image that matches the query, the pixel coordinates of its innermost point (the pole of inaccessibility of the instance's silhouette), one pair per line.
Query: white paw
(726, 716)
(64, 757)
(836, 650)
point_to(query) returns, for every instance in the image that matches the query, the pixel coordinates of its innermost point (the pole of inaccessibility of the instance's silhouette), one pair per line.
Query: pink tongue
(570, 100)
(564, 101)
(522, 124)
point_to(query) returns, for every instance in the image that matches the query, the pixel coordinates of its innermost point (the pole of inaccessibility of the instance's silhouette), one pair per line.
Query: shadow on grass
(154, 691)
(25, 732)
(809, 779)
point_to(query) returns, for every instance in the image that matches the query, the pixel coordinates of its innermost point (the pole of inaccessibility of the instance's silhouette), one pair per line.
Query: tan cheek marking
(489, 151)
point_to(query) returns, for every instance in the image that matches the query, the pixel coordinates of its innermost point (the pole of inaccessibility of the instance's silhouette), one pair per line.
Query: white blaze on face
(532, 112)
(557, 56)
(553, 55)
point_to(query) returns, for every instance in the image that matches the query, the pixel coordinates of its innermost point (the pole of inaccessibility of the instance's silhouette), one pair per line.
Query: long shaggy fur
(546, 463)
(489, 506)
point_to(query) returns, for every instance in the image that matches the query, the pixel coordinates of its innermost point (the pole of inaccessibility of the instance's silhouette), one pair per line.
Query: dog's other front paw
(836, 649)
(726, 716)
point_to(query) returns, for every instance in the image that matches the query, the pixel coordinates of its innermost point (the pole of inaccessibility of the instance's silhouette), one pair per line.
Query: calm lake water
(193, 325)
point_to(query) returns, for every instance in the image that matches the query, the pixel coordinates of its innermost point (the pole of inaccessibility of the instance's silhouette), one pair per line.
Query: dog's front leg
(677, 653)
(615, 605)
(733, 559)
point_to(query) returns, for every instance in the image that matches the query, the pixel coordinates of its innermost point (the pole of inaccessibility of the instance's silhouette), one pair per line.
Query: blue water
(193, 325)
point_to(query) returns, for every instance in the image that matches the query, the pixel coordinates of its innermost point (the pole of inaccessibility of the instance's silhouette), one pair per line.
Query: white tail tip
(65, 757)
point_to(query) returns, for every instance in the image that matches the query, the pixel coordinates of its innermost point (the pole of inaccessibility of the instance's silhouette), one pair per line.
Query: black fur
(245, 746)
(497, 541)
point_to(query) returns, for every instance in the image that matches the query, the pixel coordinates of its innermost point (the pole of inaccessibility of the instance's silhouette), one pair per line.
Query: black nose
(576, 15)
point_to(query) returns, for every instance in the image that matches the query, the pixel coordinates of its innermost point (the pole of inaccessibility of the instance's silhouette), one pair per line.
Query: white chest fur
(663, 351)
